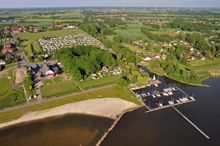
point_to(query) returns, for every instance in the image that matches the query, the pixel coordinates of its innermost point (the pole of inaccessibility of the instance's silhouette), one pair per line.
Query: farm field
(131, 32)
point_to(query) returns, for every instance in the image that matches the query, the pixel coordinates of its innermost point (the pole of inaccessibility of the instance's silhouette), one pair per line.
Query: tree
(124, 81)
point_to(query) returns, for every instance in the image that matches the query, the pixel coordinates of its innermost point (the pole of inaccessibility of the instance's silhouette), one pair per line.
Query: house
(105, 69)
(56, 69)
(7, 47)
(46, 71)
(50, 70)
(36, 29)
(147, 59)
(164, 56)
(2, 62)
(9, 57)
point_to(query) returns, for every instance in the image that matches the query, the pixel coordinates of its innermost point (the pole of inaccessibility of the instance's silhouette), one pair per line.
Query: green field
(108, 92)
(10, 96)
(131, 32)
(90, 83)
(5, 86)
(202, 67)
(59, 89)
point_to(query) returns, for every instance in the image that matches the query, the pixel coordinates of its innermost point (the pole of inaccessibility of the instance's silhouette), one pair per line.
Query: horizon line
(27, 7)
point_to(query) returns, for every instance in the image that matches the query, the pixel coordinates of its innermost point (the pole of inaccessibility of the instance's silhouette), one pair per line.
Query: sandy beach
(105, 107)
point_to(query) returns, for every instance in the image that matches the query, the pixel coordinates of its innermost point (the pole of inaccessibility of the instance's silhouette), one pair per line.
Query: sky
(108, 3)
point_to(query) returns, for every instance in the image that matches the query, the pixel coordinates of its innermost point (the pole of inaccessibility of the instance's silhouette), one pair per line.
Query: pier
(113, 126)
(191, 123)
(166, 106)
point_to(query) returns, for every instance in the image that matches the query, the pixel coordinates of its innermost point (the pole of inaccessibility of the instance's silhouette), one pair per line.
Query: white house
(2, 62)
(147, 59)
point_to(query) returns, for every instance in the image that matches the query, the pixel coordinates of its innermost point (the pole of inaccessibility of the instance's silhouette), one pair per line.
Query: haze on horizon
(108, 3)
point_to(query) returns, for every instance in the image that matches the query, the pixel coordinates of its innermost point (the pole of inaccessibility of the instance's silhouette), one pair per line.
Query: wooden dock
(167, 106)
(191, 123)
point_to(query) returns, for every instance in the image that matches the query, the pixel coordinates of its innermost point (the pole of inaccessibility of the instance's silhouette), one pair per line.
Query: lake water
(167, 128)
(160, 128)
(69, 130)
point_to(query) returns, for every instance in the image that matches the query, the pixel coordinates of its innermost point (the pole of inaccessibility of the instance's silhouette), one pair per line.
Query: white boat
(160, 105)
(177, 101)
(155, 85)
(184, 99)
(153, 96)
(173, 88)
(170, 93)
(154, 77)
(165, 94)
(192, 98)
(171, 102)
(158, 95)
(138, 95)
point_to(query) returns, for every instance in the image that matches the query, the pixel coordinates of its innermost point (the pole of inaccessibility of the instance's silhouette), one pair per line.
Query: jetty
(191, 123)
(113, 125)
(166, 106)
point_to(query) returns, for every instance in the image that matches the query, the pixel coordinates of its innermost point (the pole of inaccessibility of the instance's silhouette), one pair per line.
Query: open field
(59, 89)
(4, 86)
(131, 31)
(105, 92)
(10, 94)
(202, 68)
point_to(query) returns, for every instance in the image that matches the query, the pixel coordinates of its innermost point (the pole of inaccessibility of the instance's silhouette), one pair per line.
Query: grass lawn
(202, 67)
(132, 31)
(59, 89)
(7, 66)
(113, 91)
(10, 96)
(90, 83)
(5, 86)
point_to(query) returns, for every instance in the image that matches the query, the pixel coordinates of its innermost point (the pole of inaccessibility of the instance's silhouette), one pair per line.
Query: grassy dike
(114, 91)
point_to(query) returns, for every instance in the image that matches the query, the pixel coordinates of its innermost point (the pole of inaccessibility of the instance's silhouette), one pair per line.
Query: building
(7, 47)
(50, 70)
(2, 62)
(46, 71)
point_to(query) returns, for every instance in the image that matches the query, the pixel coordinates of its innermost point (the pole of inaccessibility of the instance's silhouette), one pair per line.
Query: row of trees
(81, 61)
(198, 41)
(174, 70)
(189, 26)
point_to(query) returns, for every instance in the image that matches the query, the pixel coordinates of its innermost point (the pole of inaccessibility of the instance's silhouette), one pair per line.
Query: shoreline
(104, 107)
(183, 82)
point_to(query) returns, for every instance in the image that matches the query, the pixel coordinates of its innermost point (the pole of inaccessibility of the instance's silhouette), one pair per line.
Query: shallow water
(69, 130)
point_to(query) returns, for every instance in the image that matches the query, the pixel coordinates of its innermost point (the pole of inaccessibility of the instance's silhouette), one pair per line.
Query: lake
(68, 130)
(160, 128)
(167, 128)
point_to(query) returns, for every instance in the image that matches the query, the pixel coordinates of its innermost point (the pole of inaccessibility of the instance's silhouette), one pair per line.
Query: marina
(157, 97)
(161, 96)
